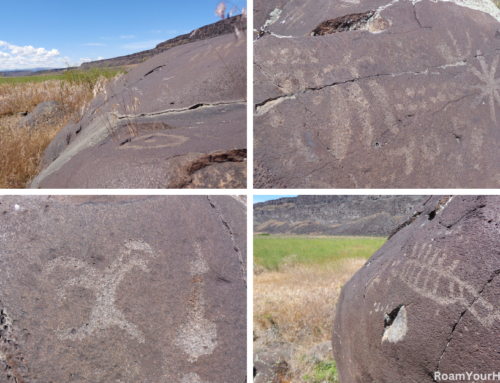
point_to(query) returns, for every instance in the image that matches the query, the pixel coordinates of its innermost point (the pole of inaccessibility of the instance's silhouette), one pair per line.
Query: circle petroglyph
(156, 141)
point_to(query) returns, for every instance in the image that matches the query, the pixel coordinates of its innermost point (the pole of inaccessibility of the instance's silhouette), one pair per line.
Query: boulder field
(425, 306)
(376, 94)
(123, 289)
(176, 121)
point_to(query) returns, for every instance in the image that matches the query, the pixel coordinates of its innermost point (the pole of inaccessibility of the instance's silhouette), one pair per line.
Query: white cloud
(16, 57)
(143, 44)
(100, 58)
(94, 44)
(128, 37)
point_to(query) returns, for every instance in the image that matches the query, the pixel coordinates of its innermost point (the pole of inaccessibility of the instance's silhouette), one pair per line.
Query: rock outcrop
(332, 215)
(48, 112)
(161, 125)
(123, 289)
(376, 94)
(426, 304)
(221, 27)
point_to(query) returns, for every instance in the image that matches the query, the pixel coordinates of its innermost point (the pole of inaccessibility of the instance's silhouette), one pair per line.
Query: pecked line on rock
(276, 100)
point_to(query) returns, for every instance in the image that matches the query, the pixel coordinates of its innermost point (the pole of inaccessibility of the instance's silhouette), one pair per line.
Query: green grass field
(21, 80)
(270, 252)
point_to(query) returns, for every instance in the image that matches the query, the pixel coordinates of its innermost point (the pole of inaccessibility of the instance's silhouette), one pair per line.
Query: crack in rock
(495, 274)
(235, 246)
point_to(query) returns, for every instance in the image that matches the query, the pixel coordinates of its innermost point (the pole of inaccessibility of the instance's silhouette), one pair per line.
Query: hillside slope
(332, 215)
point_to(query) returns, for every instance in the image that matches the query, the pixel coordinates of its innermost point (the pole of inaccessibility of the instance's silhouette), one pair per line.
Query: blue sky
(264, 198)
(50, 33)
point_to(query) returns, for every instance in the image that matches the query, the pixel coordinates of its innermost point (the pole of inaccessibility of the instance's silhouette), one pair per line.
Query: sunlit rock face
(426, 304)
(178, 120)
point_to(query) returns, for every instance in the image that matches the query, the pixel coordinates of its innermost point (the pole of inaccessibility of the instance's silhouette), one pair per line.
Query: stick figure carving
(197, 336)
(104, 312)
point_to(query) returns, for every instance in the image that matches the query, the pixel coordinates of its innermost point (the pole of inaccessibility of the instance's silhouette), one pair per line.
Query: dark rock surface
(332, 215)
(48, 112)
(177, 107)
(221, 27)
(123, 289)
(408, 99)
(427, 301)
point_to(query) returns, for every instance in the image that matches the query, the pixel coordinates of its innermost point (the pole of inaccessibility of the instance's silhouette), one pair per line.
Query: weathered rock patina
(376, 94)
(123, 289)
(176, 107)
(428, 300)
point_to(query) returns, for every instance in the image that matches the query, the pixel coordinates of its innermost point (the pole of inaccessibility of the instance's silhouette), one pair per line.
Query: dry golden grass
(22, 151)
(296, 306)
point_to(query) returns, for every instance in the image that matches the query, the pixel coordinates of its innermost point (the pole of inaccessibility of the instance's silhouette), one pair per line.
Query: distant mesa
(332, 215)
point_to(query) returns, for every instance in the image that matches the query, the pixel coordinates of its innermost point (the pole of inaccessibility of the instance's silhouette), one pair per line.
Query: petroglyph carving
(104, 312)
(150, 141)
(192, 378)
(491, 86)
(428, 273)
(479, 5)
(197, 336)
(457, 53)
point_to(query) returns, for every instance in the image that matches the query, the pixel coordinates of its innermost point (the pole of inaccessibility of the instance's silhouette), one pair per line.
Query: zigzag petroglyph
(104, 312)
(428, 273)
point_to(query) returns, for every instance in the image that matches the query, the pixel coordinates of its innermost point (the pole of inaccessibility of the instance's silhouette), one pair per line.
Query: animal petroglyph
(104, 312)
(197, 336)
(428, 273)
(491, 86)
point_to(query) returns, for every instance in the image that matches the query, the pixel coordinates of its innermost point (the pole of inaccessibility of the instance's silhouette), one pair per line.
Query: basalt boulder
(425, 306)
(123, 289)
(376, 94)
(159, 123)
(48, 112)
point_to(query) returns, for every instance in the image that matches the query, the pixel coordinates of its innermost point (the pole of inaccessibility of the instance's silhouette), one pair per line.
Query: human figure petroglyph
(104, 312)
(197, 336)
(428, 273)
(491, 86)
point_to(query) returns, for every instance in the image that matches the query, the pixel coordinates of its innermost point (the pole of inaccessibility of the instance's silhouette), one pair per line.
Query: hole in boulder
(389, 318)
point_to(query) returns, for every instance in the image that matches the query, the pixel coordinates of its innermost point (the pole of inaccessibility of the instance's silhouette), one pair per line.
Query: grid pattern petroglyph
(428, 272)
(104, 314)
